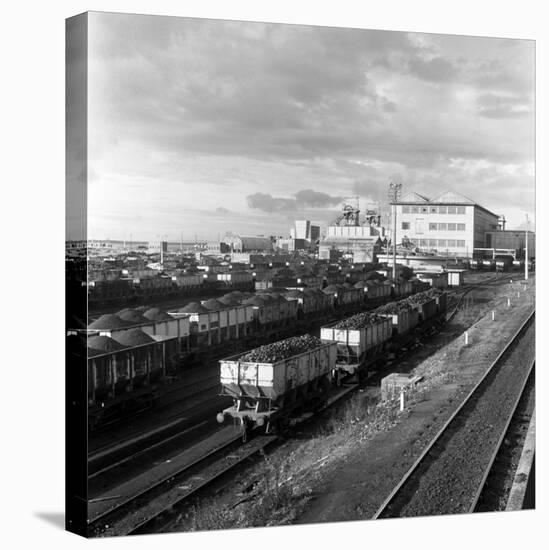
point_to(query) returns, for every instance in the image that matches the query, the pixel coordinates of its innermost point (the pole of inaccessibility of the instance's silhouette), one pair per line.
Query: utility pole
(394, 195)
(526, 254)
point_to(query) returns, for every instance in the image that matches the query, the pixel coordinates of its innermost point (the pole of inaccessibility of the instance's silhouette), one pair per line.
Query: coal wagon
(270, 382)
(359, 340)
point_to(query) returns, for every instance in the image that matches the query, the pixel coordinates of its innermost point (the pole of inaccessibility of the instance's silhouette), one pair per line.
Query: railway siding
(447, 480)
(344, 472)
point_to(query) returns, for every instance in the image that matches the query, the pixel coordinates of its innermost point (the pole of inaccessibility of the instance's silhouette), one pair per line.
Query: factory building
(303, 229)
(347, 236)
(244, 243)
(450, 224)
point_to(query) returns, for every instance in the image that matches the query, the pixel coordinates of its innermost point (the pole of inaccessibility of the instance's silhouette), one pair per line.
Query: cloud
(315, 199)
(268, 203)
(307, 198)
(503, 106)
(437, 69)
(221, 210)
(244, 114)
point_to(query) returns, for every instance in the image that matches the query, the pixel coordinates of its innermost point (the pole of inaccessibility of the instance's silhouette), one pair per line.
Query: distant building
(291, 244)
(315, 233)
(155, 247)
(217, 248)
(448, 224)
(244, 243)
(359, 240)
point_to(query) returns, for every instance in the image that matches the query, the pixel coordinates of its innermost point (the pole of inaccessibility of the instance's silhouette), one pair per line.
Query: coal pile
(394, 308)
(358, 321)
(278, 351)
(423, 297)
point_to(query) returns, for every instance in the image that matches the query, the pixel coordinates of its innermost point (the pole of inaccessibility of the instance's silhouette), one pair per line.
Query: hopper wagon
(270, 382)
(403, 316)
(359, 340)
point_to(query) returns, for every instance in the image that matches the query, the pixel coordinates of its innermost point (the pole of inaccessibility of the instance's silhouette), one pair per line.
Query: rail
(385, 508)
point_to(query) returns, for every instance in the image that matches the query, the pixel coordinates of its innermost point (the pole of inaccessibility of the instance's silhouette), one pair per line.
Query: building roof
(452, 197)
(414, 197)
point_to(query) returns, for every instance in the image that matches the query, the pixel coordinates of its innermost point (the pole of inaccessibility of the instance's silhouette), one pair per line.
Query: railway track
(493, 494)
(99, 459)
(451, 473)
(120, 512)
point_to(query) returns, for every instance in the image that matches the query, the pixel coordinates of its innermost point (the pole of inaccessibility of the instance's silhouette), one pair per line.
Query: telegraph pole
(526, 254)
(394, 195)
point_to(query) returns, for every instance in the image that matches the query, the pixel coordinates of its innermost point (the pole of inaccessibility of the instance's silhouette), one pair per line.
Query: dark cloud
(306, 198)
(268, 203)
(221, 210)
(437, 69)
(315, 199)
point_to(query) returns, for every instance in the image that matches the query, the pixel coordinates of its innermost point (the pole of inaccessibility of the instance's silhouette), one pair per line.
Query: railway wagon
(153, 286)
(188, 282)
(236, 279)
(488, 264)
(404, 319)
(504, 263)
(355, 346)
(265, 392)
(518, 265)
(475, 265)
(107, 291)
(125, 374)
(426, 309)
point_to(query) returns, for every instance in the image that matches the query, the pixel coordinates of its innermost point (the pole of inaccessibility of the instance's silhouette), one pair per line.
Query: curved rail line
(390, 507)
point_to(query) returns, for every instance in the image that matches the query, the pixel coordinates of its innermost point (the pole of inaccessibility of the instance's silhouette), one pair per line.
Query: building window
(460, 244)
(432, 243)
(415, 209)
(442, 227)
(442, 210)
(461, 209)
(451, 210)
(451, 227)
(423, 242)
(461, 227)
(424, 210)
(405, 225)
(432, 227)
(451, 243)
(433, 210)
(442, 243)
(405, 209)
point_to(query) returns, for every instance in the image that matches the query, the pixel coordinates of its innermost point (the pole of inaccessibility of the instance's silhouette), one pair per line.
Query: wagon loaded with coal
(270, 382)
(359, 339)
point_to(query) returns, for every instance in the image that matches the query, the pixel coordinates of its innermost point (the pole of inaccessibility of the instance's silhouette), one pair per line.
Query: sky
(197, 127)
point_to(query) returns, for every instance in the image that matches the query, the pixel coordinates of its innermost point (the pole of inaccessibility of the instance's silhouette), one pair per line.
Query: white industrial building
(359, 240)
(450, 224)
